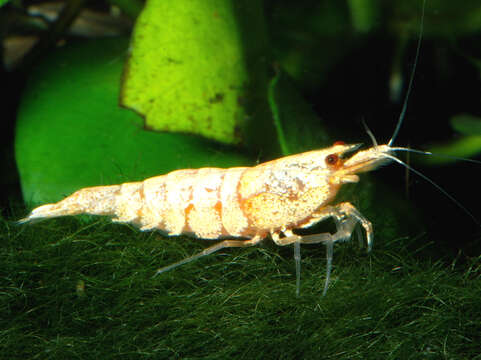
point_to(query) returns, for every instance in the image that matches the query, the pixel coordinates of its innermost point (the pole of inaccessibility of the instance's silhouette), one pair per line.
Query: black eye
(332, 159)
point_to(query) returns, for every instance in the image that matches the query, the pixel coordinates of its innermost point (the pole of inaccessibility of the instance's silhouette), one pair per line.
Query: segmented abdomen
(203, 202)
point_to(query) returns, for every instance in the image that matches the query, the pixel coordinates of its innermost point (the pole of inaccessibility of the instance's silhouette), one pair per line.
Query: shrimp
(246, 204)
(250, 203)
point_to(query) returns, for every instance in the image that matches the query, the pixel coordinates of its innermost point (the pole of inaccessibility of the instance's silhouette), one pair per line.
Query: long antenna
(434, 154)
(411, 79)
(461, 206)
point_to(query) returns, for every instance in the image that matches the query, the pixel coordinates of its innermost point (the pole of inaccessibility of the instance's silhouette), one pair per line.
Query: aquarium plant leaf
(298, 127)
(463, 147)
(467, 145)
(71, 133)
(198, 67)
(466, 124)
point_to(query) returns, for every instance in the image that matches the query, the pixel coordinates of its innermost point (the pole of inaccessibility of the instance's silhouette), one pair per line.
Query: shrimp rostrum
(243, 204)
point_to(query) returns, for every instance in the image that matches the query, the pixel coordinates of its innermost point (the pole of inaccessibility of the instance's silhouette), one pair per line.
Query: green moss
(72, 289)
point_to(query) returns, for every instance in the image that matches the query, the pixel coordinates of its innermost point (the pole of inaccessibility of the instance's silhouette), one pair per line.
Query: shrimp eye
(332, 159)
(339, 143)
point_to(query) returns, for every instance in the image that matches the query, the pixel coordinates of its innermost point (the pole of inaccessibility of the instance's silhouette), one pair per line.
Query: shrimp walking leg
(297, 259)
(346, 217)
(221, 245)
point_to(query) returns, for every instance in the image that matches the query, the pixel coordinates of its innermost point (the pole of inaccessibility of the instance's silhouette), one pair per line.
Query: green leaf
(71, 133)
(3, 2)
(466, 146)
(286, 103)
(466, 124)
(195, 67)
